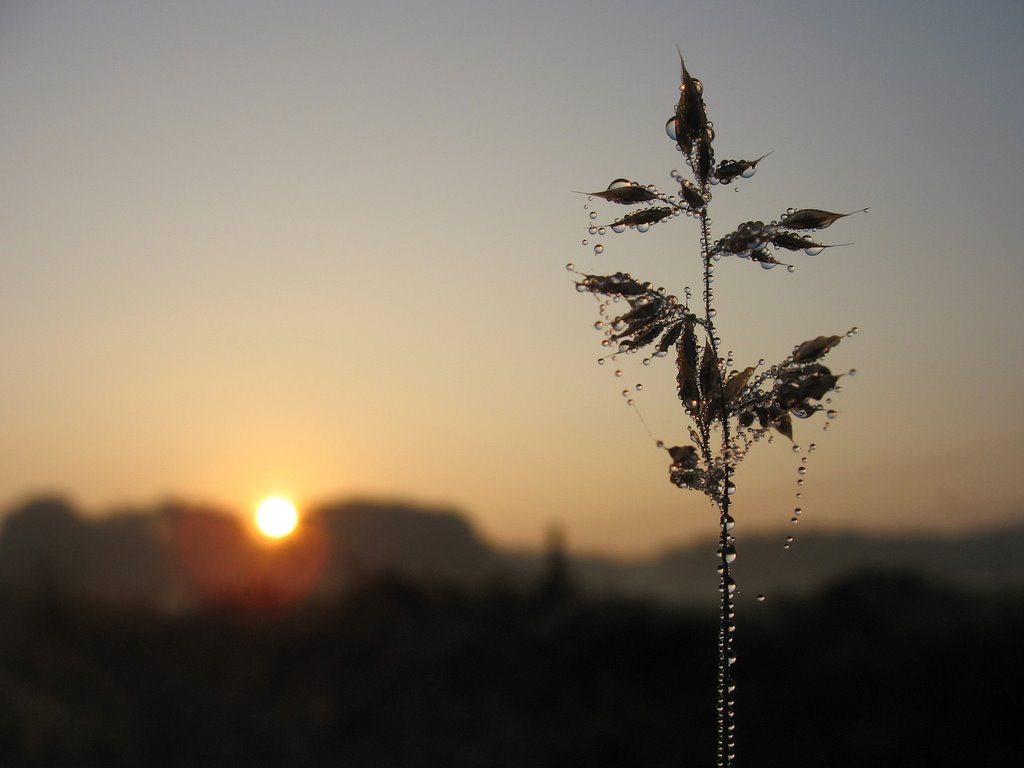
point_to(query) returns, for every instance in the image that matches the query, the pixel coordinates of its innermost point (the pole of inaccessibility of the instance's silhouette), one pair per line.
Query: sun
(276, 517)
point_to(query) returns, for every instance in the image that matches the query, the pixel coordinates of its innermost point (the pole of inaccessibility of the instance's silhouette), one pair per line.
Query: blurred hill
(178, 556)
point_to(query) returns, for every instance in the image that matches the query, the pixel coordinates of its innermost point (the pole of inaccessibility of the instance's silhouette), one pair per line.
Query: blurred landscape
(386, 634)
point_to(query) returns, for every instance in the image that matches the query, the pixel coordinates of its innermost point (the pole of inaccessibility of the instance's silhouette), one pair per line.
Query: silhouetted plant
(741, 406)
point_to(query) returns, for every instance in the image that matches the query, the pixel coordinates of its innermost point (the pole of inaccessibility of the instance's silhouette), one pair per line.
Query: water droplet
(813, 251)
(647, 361)
(831, 414)
(794, 520)
(789, 539)
(801, 470)
(592, 230)
(642, 227)
(797, 511)
(599, 326)
(600, 230)
(639, 387)
(812, 446)
(618, 373)
(760, 598)
(730, 488)
(801, 480)
(796, 449)
(598, 249)
(593, 214)
(791, 268)
(671, 128)
(572, 267)
(618, 228)
(600, 361)
(625, 393)
(729, 522)
(629, 402)
(852, 372)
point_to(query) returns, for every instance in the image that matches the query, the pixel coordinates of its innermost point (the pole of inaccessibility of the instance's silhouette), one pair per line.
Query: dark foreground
(881, 670)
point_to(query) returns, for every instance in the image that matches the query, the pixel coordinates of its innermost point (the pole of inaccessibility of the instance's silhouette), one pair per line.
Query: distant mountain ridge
(180, 555)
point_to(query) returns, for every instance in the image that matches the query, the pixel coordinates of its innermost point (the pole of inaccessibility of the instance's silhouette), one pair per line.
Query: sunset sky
(317, 249)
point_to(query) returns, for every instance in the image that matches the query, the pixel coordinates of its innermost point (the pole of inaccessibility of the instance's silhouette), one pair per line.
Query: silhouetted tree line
(879, 670)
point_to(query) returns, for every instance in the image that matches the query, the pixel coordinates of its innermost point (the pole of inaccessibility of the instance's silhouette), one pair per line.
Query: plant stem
(726, 713)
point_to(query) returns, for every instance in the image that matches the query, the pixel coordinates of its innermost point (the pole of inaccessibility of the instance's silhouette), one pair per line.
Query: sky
(318, 249)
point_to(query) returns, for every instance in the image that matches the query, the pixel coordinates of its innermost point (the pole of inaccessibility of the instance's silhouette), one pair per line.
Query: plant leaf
(645, 337)
(644, 312)
(624, 192)
(686, 365)
(728, 170)
(684, 455)
(793, 242)
(815, 348)
(747, 237)
(736, 383)
(670, 338)
(692, 196)
(784, 424)
(762, 256)
(690, 344)
(619, 284)
(639, 218)
(704, 161)
(689, 123)
(812, 218)
(710, 375)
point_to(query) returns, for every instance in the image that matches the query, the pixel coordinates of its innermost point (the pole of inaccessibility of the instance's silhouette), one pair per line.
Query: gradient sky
(318, 249)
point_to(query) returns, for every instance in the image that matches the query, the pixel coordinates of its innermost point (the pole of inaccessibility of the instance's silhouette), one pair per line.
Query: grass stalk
(745, 406)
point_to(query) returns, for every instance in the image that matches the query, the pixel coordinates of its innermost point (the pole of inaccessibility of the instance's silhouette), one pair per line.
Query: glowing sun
(276, 517)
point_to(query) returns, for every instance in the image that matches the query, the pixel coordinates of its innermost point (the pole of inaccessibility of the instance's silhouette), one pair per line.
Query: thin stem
(726, 713)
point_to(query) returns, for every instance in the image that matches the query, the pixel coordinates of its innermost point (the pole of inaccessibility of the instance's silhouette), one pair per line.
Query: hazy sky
(318, 249)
